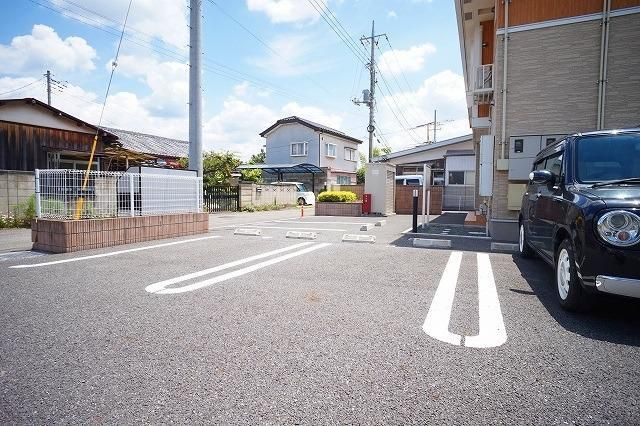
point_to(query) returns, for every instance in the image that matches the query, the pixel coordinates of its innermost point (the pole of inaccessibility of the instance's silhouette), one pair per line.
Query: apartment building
(536, 70)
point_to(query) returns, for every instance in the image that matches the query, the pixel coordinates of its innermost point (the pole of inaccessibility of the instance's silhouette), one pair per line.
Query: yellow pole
(80, 204)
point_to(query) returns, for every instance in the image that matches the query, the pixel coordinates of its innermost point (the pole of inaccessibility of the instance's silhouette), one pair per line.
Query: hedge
(337, 196)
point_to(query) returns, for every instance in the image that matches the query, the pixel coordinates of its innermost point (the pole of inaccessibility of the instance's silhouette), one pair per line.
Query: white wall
(39, 116)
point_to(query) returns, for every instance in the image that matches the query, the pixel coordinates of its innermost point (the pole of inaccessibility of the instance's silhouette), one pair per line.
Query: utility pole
(48, 75)
(435, 124)
(368, 97)
(195, 86)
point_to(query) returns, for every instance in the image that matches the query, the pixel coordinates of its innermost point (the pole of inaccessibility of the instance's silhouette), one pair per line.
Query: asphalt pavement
(237, 329)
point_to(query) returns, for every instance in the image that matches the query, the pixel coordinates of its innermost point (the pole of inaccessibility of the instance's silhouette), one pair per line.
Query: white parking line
(289, 228)
(302, 222)
(160, 288)
(113, 253)
(436, 324)
(153, 288)
(492, 332)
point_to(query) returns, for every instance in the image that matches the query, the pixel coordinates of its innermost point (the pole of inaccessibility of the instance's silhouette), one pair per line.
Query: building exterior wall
(622, 102)
(552, 85)
(278, 144)
(37, 116)
(339, 163)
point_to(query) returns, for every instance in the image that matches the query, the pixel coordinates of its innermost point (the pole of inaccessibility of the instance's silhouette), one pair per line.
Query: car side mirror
(541, 176)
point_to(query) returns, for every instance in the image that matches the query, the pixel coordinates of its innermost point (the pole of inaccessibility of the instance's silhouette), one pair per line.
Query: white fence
(64, 194)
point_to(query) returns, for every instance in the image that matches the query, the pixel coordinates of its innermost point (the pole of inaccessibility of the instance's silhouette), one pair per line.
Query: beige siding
(623, 88)
(552, 85)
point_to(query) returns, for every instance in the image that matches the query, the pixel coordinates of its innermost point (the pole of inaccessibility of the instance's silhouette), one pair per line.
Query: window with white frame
(350, 154)
(343, 180)
(331, 150)
(299, 149)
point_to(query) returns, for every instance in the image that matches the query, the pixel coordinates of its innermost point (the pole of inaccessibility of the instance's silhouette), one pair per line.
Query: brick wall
(339, 209)
(15, 188)
(62, 236)
(404, 199)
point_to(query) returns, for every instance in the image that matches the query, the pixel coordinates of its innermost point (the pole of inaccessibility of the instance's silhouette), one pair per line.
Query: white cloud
(237, 126)
(285, 11)
(392, 14)
(164, 19)
(168, 83)
(409, 60)
(295, 56)
(44, 48)
(443, 91)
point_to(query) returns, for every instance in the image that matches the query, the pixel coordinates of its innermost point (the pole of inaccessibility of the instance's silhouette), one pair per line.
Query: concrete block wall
(252, 194)
(15, 187)
(62, 236)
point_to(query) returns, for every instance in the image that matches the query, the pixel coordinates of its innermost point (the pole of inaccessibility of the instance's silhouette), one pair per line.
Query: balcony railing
(484, 78)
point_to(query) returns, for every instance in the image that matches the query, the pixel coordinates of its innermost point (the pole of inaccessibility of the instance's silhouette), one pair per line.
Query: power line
(399, 66)
(211, 66)
(262, 42)
(347, 40)
(22, 87)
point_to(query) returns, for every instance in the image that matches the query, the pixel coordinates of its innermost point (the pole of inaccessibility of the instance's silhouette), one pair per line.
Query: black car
(581, 214)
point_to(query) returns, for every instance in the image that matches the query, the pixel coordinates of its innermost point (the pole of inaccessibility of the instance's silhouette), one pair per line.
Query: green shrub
(337, 197)
(21, 216)
(265, 207)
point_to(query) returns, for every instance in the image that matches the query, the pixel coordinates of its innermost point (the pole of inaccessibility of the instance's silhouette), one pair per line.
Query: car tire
(301, 201)
(524, 249)
(569, 291)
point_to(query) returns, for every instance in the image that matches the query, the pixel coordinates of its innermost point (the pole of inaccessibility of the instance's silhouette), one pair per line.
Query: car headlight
(620, 228)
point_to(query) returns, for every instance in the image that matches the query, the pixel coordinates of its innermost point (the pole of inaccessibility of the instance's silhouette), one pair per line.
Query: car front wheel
(568, 287)
(301, 201)
(523, 245)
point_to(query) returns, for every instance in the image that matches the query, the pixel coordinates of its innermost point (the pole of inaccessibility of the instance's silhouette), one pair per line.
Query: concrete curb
(301, 235)
(508, 247)
(355, 238)
(248, 231)
(431, 243)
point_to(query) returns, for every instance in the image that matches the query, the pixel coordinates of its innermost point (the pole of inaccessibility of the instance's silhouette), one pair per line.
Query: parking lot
(239, 329)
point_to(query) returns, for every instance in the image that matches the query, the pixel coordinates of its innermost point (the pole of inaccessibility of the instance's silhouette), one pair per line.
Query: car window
(608, 157)
(539, 165)
(554, 164)
(413, 182)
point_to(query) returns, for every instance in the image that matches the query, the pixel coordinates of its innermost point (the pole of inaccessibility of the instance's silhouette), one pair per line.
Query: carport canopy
(281, 169)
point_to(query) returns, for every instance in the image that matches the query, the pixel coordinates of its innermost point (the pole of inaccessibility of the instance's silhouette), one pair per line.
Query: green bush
(265, 207)
(22, 215)
(337, 197)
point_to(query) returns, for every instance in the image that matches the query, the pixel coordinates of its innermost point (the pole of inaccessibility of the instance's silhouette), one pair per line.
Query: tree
(377, 152)
(217, 167)
(258, 158)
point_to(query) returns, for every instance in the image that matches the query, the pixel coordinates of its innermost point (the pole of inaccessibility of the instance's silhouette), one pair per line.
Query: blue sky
(293, 64)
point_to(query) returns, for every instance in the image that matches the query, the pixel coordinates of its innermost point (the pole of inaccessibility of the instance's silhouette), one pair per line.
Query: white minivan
(410, 180)
(303, 195)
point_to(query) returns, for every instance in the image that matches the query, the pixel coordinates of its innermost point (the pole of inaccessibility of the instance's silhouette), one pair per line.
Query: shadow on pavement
(612, 319)
(449, 218)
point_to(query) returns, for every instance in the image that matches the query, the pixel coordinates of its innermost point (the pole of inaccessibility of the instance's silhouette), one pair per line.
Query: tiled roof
(312, 125)
(151, 144)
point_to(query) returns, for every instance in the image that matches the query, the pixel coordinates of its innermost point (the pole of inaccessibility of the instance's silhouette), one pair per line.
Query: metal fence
(222, 199)
(459, 197)
(69, 194)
